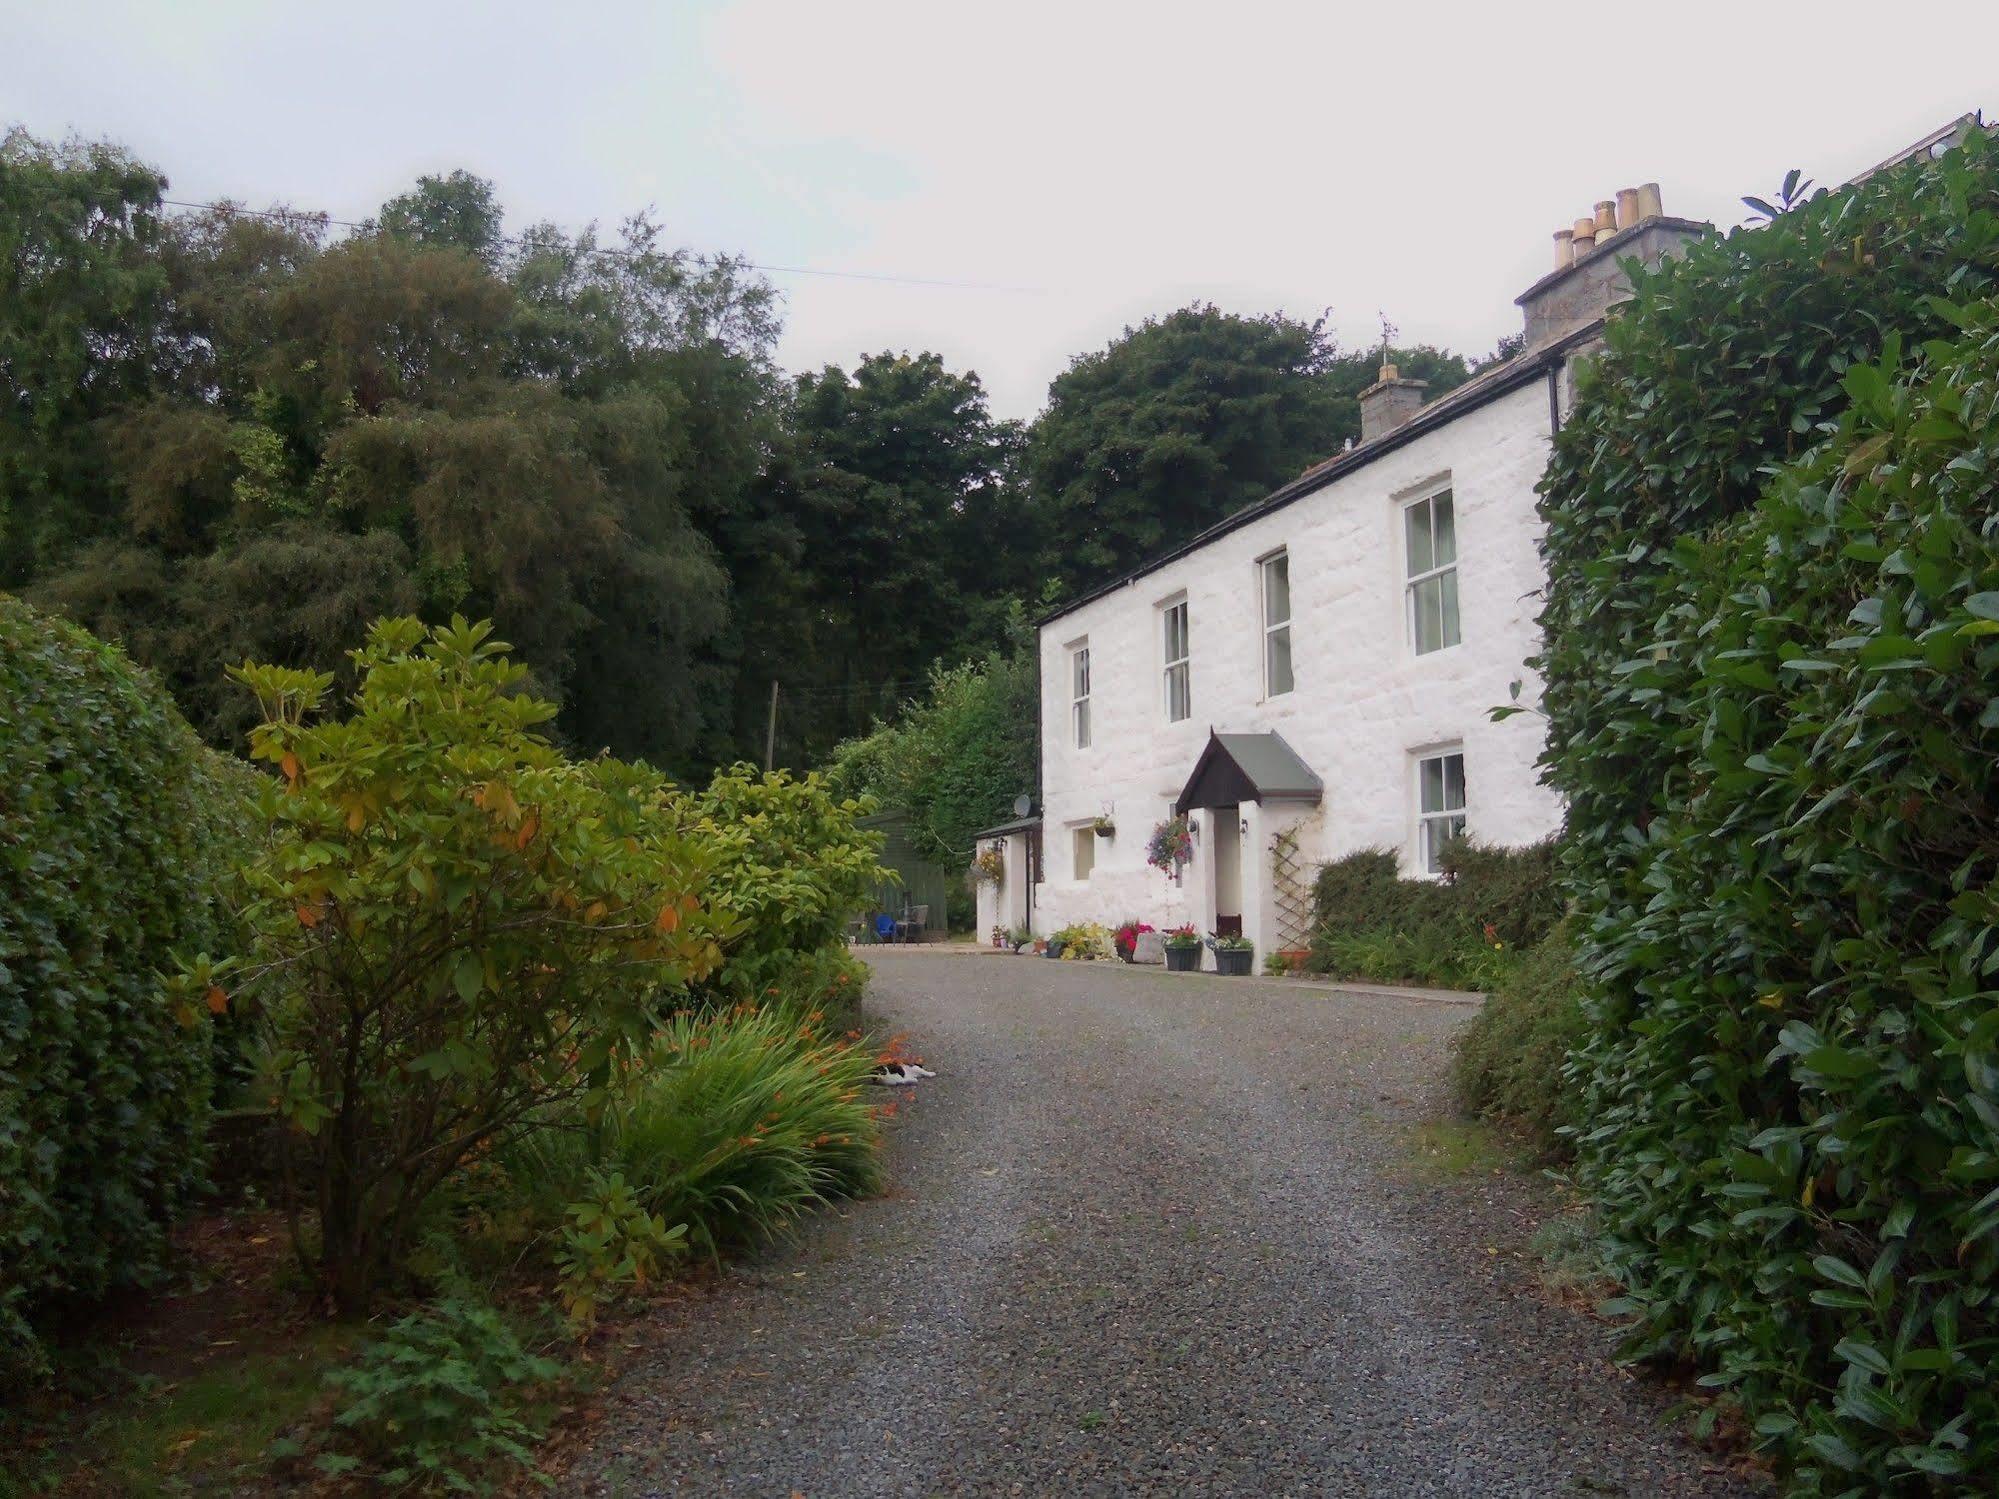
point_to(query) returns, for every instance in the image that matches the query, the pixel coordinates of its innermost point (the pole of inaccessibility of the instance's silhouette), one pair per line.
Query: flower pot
(1054, 950)
(1233, 961)
(1183, 959)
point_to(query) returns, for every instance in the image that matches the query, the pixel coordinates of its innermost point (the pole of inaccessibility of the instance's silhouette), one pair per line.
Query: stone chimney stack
(1588, 278)
(1388, 403)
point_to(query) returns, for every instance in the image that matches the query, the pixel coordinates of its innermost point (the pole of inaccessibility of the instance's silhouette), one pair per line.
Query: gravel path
(1148, 1234)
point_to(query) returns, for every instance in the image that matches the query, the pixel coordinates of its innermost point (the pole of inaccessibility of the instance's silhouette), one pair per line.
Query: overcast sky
(1079, 166)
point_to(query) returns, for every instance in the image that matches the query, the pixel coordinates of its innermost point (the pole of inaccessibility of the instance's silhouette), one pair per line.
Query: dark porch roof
(1237, 768)
(1018, 825)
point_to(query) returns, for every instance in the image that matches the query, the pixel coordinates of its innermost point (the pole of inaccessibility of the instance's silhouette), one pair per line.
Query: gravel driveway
(1148, 1233)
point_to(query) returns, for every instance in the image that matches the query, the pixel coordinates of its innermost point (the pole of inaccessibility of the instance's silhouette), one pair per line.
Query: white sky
(1112, 160)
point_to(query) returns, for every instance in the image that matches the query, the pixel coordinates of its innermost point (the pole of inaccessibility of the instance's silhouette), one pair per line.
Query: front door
(1227, 825)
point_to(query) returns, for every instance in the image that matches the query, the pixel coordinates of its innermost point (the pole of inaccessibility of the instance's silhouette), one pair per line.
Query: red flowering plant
(1126, 938)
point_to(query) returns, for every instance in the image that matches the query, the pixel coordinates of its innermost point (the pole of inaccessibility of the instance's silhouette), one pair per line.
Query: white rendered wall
(1364, 703)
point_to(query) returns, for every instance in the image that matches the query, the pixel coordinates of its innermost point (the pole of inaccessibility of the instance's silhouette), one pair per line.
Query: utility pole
(770, 729)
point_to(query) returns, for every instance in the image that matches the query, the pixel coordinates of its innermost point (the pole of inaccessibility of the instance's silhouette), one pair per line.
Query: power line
(611, 253)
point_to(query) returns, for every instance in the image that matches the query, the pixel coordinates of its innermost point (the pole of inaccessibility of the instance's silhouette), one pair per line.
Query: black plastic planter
(1182, 959)
(1233, 961)
(1054, 950)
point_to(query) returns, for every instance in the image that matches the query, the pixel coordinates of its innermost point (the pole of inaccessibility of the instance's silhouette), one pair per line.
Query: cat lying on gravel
(900, 1074)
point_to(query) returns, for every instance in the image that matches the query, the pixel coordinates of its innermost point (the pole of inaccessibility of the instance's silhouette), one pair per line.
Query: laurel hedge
(114, 826)
(1773, 688)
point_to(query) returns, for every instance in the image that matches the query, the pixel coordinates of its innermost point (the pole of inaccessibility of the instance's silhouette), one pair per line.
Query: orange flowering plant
(453, 929)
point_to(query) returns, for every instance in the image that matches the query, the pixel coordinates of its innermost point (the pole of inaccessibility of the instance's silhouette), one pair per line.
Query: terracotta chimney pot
(1649, 204)
(1627, 207)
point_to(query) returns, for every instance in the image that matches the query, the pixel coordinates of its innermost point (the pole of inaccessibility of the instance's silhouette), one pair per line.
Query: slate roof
(1235, 768)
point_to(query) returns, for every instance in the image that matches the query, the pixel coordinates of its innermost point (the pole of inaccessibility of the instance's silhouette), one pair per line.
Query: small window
(1179, 699)
(1276, 624)
(1430, 526)
(1440, 803)
(1079, 695)
(1086, 850)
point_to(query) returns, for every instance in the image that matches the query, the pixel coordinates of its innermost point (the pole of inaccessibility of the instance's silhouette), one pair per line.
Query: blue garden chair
(884, 928)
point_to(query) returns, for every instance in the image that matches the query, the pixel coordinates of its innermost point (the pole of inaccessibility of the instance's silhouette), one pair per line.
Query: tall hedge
(114, 823)
(1771, 678)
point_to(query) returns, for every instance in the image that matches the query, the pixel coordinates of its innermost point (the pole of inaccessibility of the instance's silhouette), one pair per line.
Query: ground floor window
(1440, 805)
(1086, 850)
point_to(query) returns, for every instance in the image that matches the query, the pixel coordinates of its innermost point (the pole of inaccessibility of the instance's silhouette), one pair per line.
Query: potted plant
(999, 937)
(1183, 950)
(1103, 827)
(1020, 939)
(1053, 948)
(1126, 940)
(989, 868)
(1232, 954)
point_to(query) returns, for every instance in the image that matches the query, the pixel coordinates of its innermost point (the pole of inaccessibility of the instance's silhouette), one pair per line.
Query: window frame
(1413, 579)
(1425, 817)
(1269, 628)
(1079, 694)
(1082, 836)
(1183, 663)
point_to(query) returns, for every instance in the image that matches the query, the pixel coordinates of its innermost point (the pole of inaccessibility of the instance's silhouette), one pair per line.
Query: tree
(457, 212)
(898, 480)
(79, 233)
(1183, 421)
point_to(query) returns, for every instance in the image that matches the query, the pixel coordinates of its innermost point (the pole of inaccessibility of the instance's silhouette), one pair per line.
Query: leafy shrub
(115, 829)
(609, 1242)
(788, 858)
(730, 1124)
(447, 1398)
(1462, 931)
(1511, 1059)
(1772, 714)
(452, 930)
(1085, 941)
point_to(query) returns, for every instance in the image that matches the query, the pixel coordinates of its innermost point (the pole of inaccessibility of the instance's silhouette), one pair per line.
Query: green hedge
(114, 826)
(1773, 716)
(1370, 923)
(1512, 1060)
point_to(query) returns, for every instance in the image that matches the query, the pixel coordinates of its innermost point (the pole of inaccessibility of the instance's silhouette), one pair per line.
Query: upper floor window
(1179, 702)
(1276, 624)
(1440, 806)
(1431, 529)
(1079, 695)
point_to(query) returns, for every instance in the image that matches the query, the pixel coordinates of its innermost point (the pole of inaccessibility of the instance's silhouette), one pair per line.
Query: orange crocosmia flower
(307, 917)
(217, 1000)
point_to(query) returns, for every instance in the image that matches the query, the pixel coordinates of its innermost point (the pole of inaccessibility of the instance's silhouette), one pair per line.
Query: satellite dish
(1022, 805)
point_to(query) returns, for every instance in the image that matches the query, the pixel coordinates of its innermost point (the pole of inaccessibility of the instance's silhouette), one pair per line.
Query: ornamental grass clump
(1772, 657)
(731, 1124)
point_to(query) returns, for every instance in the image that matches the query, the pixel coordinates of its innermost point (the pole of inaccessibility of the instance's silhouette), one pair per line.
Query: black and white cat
(900, 1074)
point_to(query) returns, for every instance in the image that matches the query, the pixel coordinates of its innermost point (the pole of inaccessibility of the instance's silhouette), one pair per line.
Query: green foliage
(956, 759)
(449, 1398)
(1462, 931)
(453, 929)
(80, 287)
(1512, 1060)
(115, 831)
(787, 857)
(1772, 718)
(609, 1242)
(1085, 941)
(730, 1125)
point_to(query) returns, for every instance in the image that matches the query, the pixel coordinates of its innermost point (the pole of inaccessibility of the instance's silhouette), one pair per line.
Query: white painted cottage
(1316, 674)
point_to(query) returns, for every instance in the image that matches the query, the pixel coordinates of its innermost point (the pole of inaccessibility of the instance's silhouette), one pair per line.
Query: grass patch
(207, 1431)
(1459, 1147)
